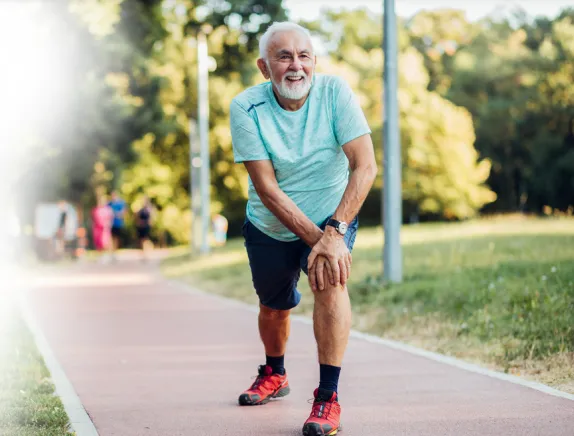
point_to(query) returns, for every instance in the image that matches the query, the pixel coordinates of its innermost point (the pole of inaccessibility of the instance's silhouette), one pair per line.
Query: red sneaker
(325, 418)
(266, 386)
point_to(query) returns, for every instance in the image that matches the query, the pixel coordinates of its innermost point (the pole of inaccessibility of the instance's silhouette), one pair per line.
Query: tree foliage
(515, 78)
(442, 174)
(486, 108)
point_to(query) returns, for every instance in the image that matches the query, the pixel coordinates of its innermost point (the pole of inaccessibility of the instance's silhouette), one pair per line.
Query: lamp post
(199, 152)
(203, 122)
(195, 188)
(392, 198)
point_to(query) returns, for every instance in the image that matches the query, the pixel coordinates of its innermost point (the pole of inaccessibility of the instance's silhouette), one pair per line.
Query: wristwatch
(340, 226)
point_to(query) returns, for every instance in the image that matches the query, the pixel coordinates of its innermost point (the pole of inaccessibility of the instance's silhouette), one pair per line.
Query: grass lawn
(499, 292)
(28, 404)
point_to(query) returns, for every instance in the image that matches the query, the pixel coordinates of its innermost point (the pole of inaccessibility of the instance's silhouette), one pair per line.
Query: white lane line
(397, 346)
(80, 421)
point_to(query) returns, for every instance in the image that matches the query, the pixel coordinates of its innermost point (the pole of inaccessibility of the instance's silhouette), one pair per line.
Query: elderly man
(297, 135)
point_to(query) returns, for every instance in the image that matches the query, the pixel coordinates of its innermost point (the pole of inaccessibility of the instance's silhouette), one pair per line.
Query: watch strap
(333, 223)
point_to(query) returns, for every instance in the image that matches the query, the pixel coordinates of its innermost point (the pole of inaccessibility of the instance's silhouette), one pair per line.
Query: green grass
(498, 292)
(28, 404)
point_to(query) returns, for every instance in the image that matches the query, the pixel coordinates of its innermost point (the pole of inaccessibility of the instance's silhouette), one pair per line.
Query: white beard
(294, 90)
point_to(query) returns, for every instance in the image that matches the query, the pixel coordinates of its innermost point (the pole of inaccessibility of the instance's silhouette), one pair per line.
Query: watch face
(342, 228)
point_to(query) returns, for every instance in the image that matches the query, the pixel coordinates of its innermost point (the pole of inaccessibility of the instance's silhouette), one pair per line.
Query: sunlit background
(95, 99)
(98, 95)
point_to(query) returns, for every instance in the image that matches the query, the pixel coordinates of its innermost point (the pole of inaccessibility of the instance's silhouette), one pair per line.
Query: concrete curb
(80, 421)
(398, 346)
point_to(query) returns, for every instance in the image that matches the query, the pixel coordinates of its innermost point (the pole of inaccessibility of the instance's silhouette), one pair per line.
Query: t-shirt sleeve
(349, 119)
(245, 136)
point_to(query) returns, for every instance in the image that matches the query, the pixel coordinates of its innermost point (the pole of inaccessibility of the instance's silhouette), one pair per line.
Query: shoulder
(252, 97)
(329, 89)
(330, 82)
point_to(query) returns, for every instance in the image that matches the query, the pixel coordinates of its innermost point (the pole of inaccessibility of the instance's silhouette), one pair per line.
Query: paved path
(146, 357)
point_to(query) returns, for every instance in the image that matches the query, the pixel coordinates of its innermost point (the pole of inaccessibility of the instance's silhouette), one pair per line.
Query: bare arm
(363, 166)
(263, 177)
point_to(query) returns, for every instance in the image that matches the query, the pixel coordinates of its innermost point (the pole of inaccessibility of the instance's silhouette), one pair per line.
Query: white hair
(279, 27)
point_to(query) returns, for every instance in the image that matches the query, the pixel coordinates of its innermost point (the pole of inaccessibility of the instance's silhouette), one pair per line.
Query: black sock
(277, 364)
(329, 377)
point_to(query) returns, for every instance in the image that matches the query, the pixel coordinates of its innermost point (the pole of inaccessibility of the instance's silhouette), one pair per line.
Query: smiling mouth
(295, 79)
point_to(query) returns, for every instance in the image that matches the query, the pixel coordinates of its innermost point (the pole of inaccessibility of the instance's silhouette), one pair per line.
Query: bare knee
(331, 294)
(273, 314)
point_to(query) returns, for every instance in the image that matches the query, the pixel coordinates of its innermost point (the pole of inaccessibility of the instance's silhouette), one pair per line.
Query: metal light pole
(203, 121)
(195, 189)
(392, 198)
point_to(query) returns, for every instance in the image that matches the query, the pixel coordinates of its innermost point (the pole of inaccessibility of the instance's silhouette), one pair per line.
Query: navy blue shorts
(276, 265)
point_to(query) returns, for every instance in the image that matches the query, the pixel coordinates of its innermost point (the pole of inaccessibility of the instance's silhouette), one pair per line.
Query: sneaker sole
(316, 430)
(244, 399)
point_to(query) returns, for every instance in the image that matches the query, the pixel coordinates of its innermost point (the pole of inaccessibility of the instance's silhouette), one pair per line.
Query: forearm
(291, 216)
(360, 183)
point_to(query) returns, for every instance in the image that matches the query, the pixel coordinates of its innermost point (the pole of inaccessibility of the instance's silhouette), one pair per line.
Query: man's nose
(296, 65)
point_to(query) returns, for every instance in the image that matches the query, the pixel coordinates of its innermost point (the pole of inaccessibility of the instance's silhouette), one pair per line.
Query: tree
(442, 175)
(437, 35)
(514, 79)
(108, 99)
(233, 29)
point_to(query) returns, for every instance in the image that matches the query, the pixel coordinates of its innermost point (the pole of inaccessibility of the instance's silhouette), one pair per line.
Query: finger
(319, 275)
(311, 259)
(330, 276)
(336, 271)
(328, 273)
(343, 268)
(312, 278)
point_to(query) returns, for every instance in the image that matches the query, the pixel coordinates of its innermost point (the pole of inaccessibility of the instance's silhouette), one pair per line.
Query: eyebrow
(289, 52)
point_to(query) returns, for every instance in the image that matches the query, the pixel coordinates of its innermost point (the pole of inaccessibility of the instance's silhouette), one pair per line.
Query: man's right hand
(334, 250)
(316, 273)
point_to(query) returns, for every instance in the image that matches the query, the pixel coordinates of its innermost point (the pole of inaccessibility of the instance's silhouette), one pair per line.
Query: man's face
(290, 64)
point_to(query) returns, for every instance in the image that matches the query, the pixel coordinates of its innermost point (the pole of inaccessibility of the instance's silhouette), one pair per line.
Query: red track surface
(147, 358)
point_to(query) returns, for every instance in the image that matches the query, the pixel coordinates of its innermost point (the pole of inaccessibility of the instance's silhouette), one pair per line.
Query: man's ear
(262, 65)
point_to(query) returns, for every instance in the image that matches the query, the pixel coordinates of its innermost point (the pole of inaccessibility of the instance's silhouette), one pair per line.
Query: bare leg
(274, 328)
(332, 322)
(115, 243)
(142, 248)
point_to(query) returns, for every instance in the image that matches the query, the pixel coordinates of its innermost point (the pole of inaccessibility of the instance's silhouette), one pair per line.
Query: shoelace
(261, 381)
(321, 408)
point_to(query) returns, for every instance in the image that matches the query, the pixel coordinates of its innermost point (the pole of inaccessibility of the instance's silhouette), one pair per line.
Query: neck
(288, 104)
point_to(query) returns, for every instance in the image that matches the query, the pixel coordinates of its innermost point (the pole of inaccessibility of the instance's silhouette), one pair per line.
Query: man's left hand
(333, 248)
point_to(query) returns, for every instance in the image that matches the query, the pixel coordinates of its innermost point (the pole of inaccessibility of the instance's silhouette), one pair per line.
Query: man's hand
(337, 259)
(317, 273)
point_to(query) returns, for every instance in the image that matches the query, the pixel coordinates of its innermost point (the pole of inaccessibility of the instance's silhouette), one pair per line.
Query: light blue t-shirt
(304, 146)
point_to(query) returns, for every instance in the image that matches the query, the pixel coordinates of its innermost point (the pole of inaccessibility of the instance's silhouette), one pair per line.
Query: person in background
(102, 220)
(143, 227)
(60, 240)
(118, 206)
(220, 225)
